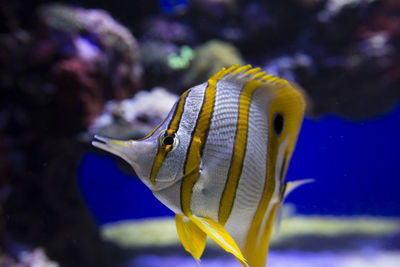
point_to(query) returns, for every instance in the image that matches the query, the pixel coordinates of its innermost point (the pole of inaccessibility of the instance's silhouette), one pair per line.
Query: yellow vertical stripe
(199, 136)
(265, 237)
(251, 251)
(290, 104)
(153, 131)
(196, 145)
(239, 150)
(172, 127)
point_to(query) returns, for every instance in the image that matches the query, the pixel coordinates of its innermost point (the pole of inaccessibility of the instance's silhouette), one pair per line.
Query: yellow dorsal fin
(222, 73)
(247, 73)
(192, 237)
(218, 233)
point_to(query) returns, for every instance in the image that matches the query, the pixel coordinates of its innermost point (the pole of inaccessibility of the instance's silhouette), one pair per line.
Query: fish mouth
(99, 141)
(113, 146)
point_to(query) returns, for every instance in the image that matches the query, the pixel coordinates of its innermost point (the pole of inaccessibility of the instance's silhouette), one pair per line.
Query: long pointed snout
(123, 149)
(138, 153)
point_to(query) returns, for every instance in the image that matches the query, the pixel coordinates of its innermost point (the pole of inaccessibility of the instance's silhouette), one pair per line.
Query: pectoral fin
(192, 237)
(218, 233)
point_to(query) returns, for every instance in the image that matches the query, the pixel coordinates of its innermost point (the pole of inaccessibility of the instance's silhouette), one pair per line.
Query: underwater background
(72, 69)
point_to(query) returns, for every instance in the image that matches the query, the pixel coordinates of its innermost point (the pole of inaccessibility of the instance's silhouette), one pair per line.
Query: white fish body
(219, 159)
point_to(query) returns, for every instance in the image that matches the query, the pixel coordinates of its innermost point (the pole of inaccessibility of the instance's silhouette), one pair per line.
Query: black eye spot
(278, 123)
(168, 140)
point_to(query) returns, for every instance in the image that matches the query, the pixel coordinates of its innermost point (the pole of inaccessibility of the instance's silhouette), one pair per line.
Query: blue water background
(355, 164)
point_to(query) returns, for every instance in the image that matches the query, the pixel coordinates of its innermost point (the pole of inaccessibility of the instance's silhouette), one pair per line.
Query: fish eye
(168, 140)
(278, 123)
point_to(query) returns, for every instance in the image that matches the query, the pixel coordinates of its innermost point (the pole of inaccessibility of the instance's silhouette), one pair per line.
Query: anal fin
(219, 234)
(192, 237)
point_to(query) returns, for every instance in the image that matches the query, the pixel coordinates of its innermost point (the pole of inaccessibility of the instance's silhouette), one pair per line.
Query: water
(64, 203)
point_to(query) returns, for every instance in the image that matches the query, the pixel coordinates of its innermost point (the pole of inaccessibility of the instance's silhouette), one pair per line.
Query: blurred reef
(72, 69)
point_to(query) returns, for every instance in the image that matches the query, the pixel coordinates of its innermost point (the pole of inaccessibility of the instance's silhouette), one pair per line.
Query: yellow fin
(247, 73)
(192, 237)
(241, 69)
(218, 233)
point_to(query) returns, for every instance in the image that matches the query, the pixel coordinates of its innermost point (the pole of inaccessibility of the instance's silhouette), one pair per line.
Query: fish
(219, 160)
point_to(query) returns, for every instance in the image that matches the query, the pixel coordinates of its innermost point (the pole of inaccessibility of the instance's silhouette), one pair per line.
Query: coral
(136, 117)
(36, 257)
(364, 55)
(334, 7)
(356, 39)
(95, 37)
(284, 66)
(182, 60)
(210, 58)
(55, 79)
(110, 34)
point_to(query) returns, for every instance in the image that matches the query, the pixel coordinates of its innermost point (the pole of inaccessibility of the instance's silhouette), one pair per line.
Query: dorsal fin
(290, 186)
(246, 73)
(256, 78)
